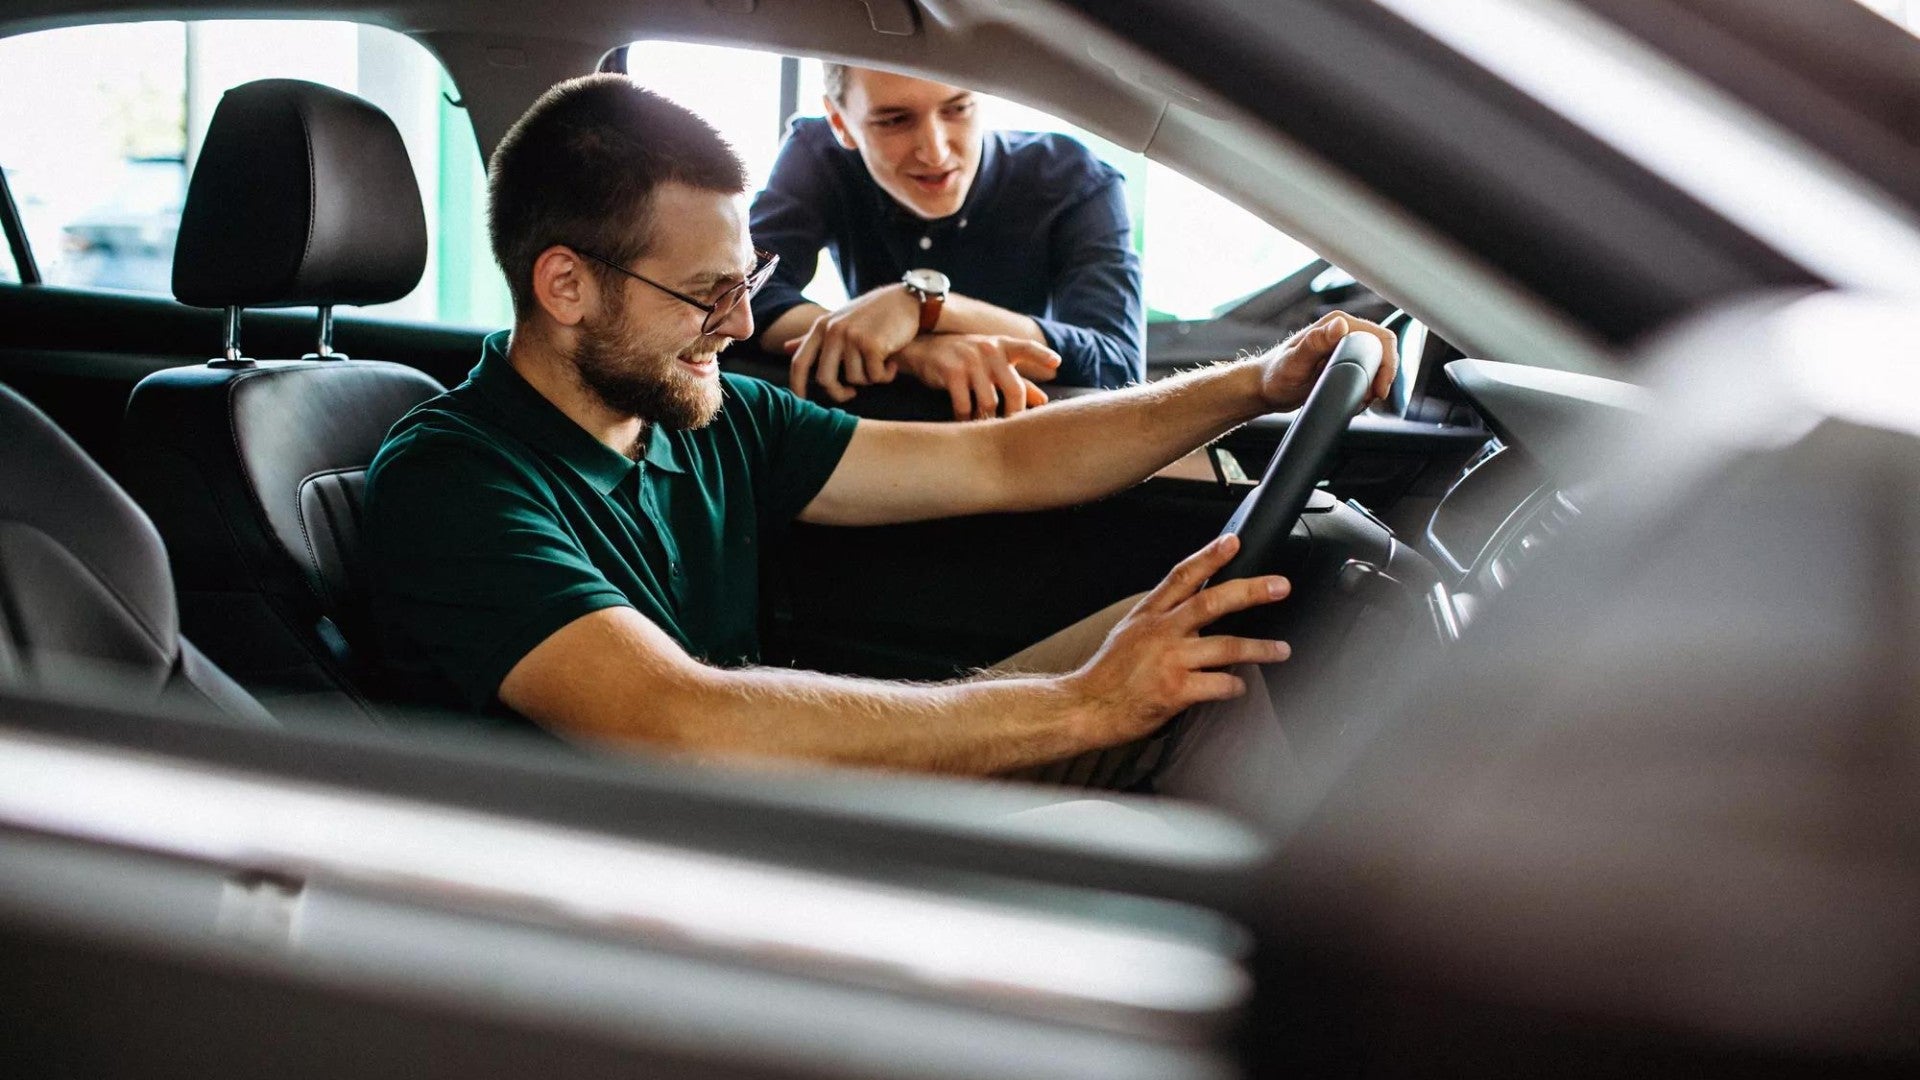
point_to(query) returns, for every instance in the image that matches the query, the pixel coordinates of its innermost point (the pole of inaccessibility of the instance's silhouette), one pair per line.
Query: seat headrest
(302, 196)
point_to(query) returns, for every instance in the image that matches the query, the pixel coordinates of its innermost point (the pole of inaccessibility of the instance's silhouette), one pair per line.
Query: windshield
(1904, 14)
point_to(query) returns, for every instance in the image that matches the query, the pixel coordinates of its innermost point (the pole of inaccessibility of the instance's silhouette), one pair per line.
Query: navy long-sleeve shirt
(1043, 232)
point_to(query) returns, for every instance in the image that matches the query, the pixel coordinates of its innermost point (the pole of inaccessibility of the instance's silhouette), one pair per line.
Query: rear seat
(253, 470)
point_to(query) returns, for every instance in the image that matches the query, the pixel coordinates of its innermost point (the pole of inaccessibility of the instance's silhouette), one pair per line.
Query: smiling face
(643, 353)
(920, 140)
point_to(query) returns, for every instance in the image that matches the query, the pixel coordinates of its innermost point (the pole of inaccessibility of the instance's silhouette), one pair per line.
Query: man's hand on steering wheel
(1156, 662)
(1294, 365)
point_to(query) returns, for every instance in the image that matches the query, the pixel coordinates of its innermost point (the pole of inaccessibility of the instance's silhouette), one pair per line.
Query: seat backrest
(255, 477)
(86, 602)
(253, 470)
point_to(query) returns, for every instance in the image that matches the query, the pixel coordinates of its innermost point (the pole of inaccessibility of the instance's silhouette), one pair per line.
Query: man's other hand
(977, 369)
(1294, 365)
(1155, 662)
(853, 345)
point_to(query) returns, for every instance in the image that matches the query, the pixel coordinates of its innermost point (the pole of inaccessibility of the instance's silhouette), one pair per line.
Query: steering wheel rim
(1267, 517)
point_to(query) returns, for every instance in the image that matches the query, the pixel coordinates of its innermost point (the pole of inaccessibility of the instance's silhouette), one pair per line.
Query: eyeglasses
(724, 304)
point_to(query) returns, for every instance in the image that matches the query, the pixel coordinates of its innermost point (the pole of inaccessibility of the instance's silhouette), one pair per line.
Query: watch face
(932, 282)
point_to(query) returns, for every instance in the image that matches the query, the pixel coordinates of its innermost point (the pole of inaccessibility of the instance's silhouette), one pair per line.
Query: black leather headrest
(303, 196)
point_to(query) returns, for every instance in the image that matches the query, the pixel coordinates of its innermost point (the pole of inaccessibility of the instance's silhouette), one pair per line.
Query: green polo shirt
(492, 520)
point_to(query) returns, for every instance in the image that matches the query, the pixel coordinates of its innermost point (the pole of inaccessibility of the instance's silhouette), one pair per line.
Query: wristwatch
(930, 288)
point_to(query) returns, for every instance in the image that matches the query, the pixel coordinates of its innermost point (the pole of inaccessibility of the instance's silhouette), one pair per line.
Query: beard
(635, 380)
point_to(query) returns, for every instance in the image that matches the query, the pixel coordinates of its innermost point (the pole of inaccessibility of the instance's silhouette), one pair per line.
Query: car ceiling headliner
(1030, 51)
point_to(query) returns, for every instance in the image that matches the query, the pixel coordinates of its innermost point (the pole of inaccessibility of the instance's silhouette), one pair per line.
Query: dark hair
(580, 169)
(835, 76)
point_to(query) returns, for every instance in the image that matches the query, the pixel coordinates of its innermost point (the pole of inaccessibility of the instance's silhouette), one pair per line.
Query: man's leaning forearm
(789, 324)
(1087, 447)
(966, 315)
(979, 727)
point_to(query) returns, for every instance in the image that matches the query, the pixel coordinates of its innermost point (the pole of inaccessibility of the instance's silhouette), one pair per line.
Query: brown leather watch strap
(930, 305)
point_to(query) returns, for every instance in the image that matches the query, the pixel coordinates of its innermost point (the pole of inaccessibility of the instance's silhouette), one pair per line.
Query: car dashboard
(1515, 499)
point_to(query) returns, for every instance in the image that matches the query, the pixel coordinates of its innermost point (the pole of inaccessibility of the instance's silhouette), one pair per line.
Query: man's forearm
(1087, 447)
(791, 323)
(966, 315)
(974, 728)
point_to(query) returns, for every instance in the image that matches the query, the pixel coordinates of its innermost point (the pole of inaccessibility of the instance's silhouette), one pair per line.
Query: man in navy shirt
(979, 263)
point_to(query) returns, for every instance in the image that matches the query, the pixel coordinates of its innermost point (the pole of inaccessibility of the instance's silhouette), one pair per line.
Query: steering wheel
(1265, 519)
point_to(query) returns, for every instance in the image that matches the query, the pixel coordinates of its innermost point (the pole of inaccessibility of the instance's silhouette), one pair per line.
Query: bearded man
(571, 537)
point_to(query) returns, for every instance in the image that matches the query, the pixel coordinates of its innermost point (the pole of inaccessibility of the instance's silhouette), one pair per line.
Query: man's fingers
(1335, 325)
(982, 384)
(1389, 359)
(1214, 686)
(827, 371)
(1034, 360)
(863, 365)
(1013, 390)
(853, 366)
(1036, 397)
(1316, 326)
(792, 345)
(1222, 651)
(1226, 598)
(962, 398)
(1190, 573)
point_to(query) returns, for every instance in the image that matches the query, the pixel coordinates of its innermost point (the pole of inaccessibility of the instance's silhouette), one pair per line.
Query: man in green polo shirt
(570, 536)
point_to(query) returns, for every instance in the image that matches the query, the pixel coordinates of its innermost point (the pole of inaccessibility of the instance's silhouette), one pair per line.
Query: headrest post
(323, 350)
(231, 355)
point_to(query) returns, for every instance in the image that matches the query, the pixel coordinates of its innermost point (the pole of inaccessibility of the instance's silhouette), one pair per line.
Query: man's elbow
(1114, 362)
(655, 706)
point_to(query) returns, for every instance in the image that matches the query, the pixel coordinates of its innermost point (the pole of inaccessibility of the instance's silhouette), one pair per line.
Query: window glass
(114, 116)
(9, 270)
(1904, 13)
(738, 92)
(1199, 252)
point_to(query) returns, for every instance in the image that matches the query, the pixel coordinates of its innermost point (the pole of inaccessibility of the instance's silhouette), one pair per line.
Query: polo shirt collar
(530, 415)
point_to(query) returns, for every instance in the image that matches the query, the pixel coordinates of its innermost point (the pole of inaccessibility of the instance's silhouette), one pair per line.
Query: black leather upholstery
(254, 475)
(86, 603)
(254, 472)
(302, 195)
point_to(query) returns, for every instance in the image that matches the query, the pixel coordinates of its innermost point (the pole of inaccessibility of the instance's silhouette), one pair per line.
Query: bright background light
(109, 121)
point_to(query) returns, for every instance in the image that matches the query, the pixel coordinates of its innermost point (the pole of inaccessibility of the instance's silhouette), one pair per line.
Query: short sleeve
(794, 444)
(469, 569)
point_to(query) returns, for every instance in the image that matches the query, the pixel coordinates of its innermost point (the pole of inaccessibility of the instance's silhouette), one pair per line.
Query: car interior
(1599, 722)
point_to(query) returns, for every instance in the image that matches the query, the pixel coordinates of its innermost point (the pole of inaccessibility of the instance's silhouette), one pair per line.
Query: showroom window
(113, 117)
(1199, 252)
(1904, 13)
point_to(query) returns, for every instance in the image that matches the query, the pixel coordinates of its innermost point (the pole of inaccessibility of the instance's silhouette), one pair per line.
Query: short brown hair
(580, 169)
(835, 77)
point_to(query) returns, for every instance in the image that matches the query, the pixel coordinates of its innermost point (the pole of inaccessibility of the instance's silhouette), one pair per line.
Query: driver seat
(254, 470)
